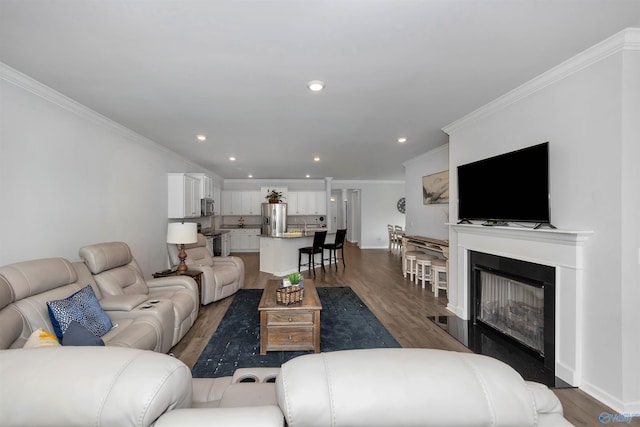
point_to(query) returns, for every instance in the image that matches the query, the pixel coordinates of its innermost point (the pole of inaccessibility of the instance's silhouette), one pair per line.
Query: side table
(195, 275)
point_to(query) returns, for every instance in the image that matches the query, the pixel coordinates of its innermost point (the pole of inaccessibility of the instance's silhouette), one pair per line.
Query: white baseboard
(622, 408)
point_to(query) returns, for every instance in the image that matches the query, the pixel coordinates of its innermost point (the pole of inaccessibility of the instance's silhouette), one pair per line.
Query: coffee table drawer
(298, 318)
(291, 339)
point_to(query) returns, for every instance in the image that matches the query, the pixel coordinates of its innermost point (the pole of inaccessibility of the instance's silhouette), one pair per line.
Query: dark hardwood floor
(375, 275)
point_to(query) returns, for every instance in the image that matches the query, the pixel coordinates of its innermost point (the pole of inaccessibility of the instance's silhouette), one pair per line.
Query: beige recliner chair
(117, 273)
(221, 276)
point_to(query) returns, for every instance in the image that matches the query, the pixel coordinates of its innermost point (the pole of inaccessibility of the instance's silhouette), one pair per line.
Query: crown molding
(427, 154)
(626, 40)
(21, 80)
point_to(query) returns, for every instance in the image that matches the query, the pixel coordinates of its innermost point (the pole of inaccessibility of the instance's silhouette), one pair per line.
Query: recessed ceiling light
(316, 159)
(402, 140)
(201, 138)
(307, 176)
(250, 176)
(233, 159)
(315, 85)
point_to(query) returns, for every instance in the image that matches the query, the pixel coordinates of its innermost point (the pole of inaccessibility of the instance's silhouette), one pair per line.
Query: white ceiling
(237, 71)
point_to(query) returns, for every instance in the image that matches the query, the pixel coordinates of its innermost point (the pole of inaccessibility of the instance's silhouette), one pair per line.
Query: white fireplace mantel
(562, 249)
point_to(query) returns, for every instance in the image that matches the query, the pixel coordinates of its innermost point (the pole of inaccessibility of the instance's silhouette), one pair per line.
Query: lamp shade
(182, 232)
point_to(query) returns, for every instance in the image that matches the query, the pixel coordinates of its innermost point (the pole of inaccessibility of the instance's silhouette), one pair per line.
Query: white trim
(21, 80)
(429, 153)
(561, 249)
(345, 183)
(628, 39)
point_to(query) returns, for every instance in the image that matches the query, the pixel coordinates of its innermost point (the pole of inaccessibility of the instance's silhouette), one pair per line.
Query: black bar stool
(333, 248)
(318, 243)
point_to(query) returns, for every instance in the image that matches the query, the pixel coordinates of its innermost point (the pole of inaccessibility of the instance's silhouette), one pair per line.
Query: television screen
(509, 187)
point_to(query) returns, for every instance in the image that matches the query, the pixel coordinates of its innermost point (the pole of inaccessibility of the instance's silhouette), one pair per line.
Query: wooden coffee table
(289, 327)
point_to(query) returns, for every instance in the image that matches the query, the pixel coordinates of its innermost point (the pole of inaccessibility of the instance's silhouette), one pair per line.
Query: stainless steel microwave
(207, 206)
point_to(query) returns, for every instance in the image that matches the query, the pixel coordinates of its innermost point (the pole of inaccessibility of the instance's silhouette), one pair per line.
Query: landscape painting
(435, 188)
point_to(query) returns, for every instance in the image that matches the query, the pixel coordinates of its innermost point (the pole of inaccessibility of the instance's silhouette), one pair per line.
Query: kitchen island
(279, 253)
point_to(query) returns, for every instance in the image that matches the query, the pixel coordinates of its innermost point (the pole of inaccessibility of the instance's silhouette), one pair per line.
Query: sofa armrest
(107, 386)
(173, 282)
(122, 302)
(226, 260)
(252, 416)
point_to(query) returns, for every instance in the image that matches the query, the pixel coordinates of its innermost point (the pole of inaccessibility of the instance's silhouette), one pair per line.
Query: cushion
(77, 334)
(84, 308)
(41, 338)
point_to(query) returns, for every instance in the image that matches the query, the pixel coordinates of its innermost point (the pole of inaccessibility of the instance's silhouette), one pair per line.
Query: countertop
(296, 234)
(216, 233)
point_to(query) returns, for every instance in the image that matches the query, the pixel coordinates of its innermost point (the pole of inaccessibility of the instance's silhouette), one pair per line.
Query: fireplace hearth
(512, 315)
(515, 298)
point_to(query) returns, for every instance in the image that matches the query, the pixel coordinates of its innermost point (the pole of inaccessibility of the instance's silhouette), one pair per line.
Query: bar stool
(423, 268)
(409, 266)
(439, 268)
(398, 232)
(318, 242)
(333, 248)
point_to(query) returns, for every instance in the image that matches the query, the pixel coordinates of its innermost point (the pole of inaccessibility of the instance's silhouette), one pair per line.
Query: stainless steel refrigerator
(274, 218)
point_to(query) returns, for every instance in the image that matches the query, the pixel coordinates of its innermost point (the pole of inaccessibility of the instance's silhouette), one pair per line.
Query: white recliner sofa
(25, 288)
(411, 387)
(110, 386)
(221, 276)
(117, 273)
(121, 387)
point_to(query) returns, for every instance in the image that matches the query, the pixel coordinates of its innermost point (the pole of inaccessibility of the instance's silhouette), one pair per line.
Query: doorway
(345, 213)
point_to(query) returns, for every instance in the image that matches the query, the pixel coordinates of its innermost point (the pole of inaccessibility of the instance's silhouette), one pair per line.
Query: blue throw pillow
(84, 308)
(77, 334)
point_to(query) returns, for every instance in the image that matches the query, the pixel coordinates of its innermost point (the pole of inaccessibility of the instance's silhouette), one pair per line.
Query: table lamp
(181, 233)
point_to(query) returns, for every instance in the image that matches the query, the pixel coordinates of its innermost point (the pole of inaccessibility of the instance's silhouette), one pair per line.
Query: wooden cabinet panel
(283, 338)
(279, 318)
(183, 193)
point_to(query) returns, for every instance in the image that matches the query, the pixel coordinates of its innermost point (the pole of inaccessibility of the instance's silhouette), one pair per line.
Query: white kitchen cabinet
(205, 189)
(234, 240)
(244, 239)
(227, 208)
(232, 203)
(320, 202)
(183, 196)
(292, 203)
(225, 244)
(217, 200)
(307, 203)
(241, 203)
(251, 201)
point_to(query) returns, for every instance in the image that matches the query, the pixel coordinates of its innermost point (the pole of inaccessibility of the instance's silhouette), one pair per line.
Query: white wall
(377, 201)
(70, 177)
(588, 110)
(421, 219)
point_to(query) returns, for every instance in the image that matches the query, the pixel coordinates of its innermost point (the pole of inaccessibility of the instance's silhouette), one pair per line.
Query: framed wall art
(435, 188)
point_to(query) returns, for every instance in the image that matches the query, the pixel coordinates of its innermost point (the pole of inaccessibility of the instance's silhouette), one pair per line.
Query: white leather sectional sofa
(140, 386)
(145, 319)
(110, 386)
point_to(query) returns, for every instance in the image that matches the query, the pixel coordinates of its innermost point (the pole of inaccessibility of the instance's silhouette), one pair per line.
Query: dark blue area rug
(345, 323)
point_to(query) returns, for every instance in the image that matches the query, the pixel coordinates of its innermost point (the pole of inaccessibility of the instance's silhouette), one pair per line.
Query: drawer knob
(290, 337)
(290, 319)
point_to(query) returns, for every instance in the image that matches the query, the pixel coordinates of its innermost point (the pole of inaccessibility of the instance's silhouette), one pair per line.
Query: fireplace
(561, 250)
(516, 300)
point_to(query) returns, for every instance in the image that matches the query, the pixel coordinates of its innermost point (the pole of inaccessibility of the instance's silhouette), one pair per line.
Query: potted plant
(274, 196)
(294, 278)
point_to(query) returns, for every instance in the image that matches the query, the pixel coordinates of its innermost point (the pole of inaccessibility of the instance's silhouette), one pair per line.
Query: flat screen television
(511, 187)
